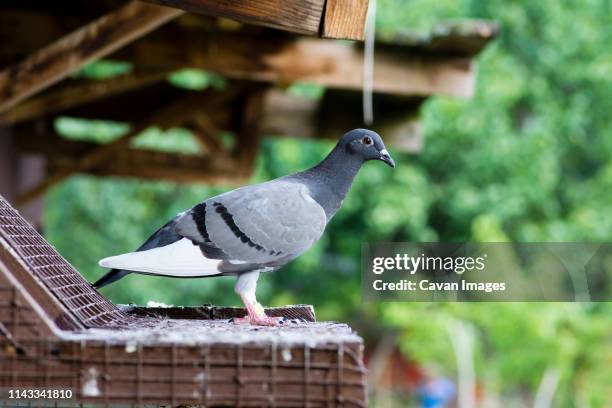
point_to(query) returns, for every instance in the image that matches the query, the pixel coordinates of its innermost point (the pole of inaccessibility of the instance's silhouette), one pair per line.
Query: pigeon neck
(333, 178)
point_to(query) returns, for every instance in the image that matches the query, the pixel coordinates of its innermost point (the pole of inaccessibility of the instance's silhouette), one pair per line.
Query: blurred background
(528, 158)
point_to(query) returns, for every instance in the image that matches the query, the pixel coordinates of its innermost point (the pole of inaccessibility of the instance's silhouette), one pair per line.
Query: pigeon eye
(367, 140)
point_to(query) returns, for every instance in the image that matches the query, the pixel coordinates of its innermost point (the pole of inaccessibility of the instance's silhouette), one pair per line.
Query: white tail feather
(180, 259)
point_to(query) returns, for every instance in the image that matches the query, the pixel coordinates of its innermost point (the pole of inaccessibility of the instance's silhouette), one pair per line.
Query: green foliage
(529, 158)
(104, 131)
(196, 79)
(307, 90)
(98, 131)
(172, 140)
(104, 69)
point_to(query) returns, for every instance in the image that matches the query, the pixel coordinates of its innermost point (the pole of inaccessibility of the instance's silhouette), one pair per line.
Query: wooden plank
(299, 312)
(63, 154)
(300, 16)
(8, 164)
(207, 133)
(129, 106)
(332, 64)
(64, 56)
(248, 136)
(74, 93)
(153, 165)
(345, 19)
(461, 38)
(18, 39)
(264, 55)
(284, 114)
(300, 117)
(172, 114)
(340, 65)
(19, 173)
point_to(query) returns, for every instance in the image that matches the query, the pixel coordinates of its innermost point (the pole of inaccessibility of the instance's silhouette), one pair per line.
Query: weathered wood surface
(406, 64)
(76, 92)
(345, 19)
(206, 132)
(63, 154)
(71, 52)
(248, 134)
(301, 117)
(300, 16)
(283, 114)
(130, 106)
(153, 165)
(301, 312)
(457, 39)
(283, 60)
(171, 114)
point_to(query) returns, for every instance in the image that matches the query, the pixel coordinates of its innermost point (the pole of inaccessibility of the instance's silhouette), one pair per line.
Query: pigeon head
(367, 144)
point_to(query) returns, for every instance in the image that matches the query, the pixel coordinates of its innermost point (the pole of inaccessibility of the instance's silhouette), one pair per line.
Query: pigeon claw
(259, 320)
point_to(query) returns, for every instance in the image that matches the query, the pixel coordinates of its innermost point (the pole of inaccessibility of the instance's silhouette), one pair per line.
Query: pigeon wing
(268, 223)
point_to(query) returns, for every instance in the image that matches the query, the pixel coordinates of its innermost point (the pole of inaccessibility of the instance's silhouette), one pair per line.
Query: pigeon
(253, 229)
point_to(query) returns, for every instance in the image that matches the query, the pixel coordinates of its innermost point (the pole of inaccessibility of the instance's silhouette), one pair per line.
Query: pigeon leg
(245, 287)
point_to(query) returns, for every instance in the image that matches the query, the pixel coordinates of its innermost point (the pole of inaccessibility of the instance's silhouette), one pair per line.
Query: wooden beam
(207, 133)
(66, 55)
(460, 38)
(74, 93)
(129, 106)
(299, 312)
(256, 54)
(332, 64)
(153, 165)
(345, 19)
(248, 136)
(62, 154)
(300, 16)
(18, 39)
(289, 115)
(284, 114)
(172, 114)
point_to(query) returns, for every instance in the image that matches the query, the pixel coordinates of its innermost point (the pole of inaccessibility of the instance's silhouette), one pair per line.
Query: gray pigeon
(253, 229)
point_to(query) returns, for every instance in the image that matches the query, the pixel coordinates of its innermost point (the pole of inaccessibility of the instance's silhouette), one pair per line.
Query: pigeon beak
(384, 156)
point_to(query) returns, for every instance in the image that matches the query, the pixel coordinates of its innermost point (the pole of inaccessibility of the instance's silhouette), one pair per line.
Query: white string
(368, 64)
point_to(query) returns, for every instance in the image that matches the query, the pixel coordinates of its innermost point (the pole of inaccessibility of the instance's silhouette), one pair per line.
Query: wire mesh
(62, 280)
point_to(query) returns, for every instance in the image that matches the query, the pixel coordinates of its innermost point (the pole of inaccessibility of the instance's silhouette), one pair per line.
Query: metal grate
(56, 274)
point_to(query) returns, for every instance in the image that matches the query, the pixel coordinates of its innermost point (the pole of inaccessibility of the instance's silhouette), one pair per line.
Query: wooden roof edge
(459, 37)
(341, 19)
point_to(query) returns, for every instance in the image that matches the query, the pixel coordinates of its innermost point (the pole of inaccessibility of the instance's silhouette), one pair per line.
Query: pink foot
(256, 315)
(258, 320)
